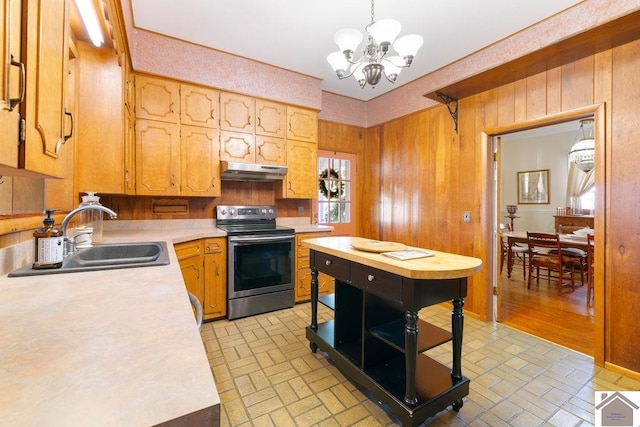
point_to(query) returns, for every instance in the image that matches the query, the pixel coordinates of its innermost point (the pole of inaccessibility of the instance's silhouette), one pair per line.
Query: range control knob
(270, 211)
(223, 212)
(263, 211)
(232, 212)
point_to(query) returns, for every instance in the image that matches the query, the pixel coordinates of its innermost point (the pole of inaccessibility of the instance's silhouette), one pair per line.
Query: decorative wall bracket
(452, 106)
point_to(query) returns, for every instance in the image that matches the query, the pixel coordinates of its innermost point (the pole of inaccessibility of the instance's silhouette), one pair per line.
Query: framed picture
(533, 187)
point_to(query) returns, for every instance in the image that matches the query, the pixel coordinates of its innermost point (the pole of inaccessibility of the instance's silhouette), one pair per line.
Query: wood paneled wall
(429, 175)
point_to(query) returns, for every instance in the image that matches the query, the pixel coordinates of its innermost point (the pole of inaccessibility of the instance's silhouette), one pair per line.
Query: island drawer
(336, 267)
(377, 282)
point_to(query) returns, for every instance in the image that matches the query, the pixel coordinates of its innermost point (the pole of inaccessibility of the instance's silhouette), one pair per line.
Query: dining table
(566, 241)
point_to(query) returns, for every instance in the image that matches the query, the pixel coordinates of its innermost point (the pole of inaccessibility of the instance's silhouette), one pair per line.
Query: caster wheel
(457, 405)
(314, 347)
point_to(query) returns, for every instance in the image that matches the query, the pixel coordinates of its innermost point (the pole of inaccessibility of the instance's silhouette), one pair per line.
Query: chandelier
(583, 151)
(374, 63)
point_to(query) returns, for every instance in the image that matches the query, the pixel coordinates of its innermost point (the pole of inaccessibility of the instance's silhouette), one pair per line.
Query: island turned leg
(457, 322)
(314, 299)
(410, 354)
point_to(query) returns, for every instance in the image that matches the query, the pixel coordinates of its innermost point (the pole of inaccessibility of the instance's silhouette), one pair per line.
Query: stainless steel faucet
(69, 244)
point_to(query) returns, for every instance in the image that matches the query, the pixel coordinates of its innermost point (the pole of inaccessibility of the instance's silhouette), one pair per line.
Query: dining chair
(590, 269)
(517, 251)
(545, 252)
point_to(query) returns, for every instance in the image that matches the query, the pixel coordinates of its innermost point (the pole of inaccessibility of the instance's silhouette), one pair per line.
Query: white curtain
(579, 181)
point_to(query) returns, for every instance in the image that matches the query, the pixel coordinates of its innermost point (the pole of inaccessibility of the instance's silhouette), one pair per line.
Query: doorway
(567, 319)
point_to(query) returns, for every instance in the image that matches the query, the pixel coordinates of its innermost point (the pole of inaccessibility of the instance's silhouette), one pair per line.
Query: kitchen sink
(106, 256)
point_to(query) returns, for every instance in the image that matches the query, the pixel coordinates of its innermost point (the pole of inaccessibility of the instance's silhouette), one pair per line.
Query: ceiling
(298, 34)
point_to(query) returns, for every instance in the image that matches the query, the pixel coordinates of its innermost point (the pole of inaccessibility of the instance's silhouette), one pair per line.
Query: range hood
(238, 171)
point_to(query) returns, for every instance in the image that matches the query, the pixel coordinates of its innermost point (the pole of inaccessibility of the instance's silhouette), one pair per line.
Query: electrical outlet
(466, 216)
(300, 210)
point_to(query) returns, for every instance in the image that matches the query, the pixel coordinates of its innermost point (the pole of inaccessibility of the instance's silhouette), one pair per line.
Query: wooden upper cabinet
(237, 113)
(200, 161)
(46, 122)
(10, 37)
(237, 147)
(157, 158)
(301, 179)
(271, 119)
(157, 99)
(199, 106)
(270, 151)
(302, 124)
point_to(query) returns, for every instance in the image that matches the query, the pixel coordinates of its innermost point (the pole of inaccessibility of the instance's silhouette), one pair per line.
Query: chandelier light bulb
(338, 62)
(407, 46)
(384, 32)
(348, 40)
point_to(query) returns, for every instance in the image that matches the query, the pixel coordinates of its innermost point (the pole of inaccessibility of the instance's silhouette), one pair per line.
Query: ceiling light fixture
(90, 20)
(583, 152)
(373, 64)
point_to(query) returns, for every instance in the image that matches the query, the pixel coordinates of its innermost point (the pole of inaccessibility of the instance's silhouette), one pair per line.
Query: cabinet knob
(327, 262)
(371, 277)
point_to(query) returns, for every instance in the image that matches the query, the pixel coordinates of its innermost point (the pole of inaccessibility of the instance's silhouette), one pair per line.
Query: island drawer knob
(328, 262)
(371, 277)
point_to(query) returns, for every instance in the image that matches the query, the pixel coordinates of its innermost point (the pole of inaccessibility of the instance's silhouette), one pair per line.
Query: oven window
(260, 265)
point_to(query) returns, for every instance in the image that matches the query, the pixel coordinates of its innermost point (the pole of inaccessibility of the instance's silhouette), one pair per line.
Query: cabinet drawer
(331, 265)
(214, 246)
(378, 282)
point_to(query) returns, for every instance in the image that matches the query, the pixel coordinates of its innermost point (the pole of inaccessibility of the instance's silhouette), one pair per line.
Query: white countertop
(112, 347)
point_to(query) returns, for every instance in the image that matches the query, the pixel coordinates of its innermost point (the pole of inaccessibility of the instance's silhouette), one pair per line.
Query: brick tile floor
(267, 376)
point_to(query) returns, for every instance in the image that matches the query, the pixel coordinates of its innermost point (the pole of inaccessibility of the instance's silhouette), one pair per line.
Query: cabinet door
(157, 99)
(100, 140)
(215, 283)
(47, 52)
(271, 119)
(157, 158)
(302, 124)
(237, 112)
(199, 106)
(191, 264)
(200, 162)
(9, 80)
(270, 151)
(237, 147)
(301, 179)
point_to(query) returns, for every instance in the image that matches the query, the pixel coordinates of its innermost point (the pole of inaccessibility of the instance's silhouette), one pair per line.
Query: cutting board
(378, 246)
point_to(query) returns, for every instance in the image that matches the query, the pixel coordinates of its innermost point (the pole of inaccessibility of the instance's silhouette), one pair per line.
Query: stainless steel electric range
(260, 260)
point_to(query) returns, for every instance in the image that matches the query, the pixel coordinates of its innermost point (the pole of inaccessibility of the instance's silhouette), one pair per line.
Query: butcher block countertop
(442, 265)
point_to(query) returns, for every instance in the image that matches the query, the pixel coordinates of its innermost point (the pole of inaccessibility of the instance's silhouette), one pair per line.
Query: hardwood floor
(566, 320)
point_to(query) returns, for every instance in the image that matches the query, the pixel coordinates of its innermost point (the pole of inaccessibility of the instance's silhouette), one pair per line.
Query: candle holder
(512, 209)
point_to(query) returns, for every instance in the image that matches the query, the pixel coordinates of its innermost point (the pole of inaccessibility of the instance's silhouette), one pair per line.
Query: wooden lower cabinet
(204, 269)
(303, 271)
(215, 278)
(190, 257)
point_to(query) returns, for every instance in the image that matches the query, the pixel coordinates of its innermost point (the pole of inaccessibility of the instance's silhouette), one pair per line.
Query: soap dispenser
(48, 243)
(91, 229)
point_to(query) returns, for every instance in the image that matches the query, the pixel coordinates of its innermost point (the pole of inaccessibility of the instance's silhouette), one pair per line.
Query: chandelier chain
(372, 15)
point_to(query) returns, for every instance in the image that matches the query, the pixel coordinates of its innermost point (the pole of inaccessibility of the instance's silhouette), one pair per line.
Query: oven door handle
(251, 239)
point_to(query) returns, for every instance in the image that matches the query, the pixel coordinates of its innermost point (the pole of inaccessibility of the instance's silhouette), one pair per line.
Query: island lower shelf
(435, 387)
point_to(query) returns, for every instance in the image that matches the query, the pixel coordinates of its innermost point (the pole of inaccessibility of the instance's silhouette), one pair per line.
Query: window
(335, 176)
(336, 196)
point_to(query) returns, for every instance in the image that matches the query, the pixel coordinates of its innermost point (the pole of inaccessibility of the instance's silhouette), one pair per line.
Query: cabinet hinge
(495, 157)
(495, 290)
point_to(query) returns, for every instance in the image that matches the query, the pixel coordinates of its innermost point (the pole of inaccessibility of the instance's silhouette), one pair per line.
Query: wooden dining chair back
(590, 269)
(545, 252)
